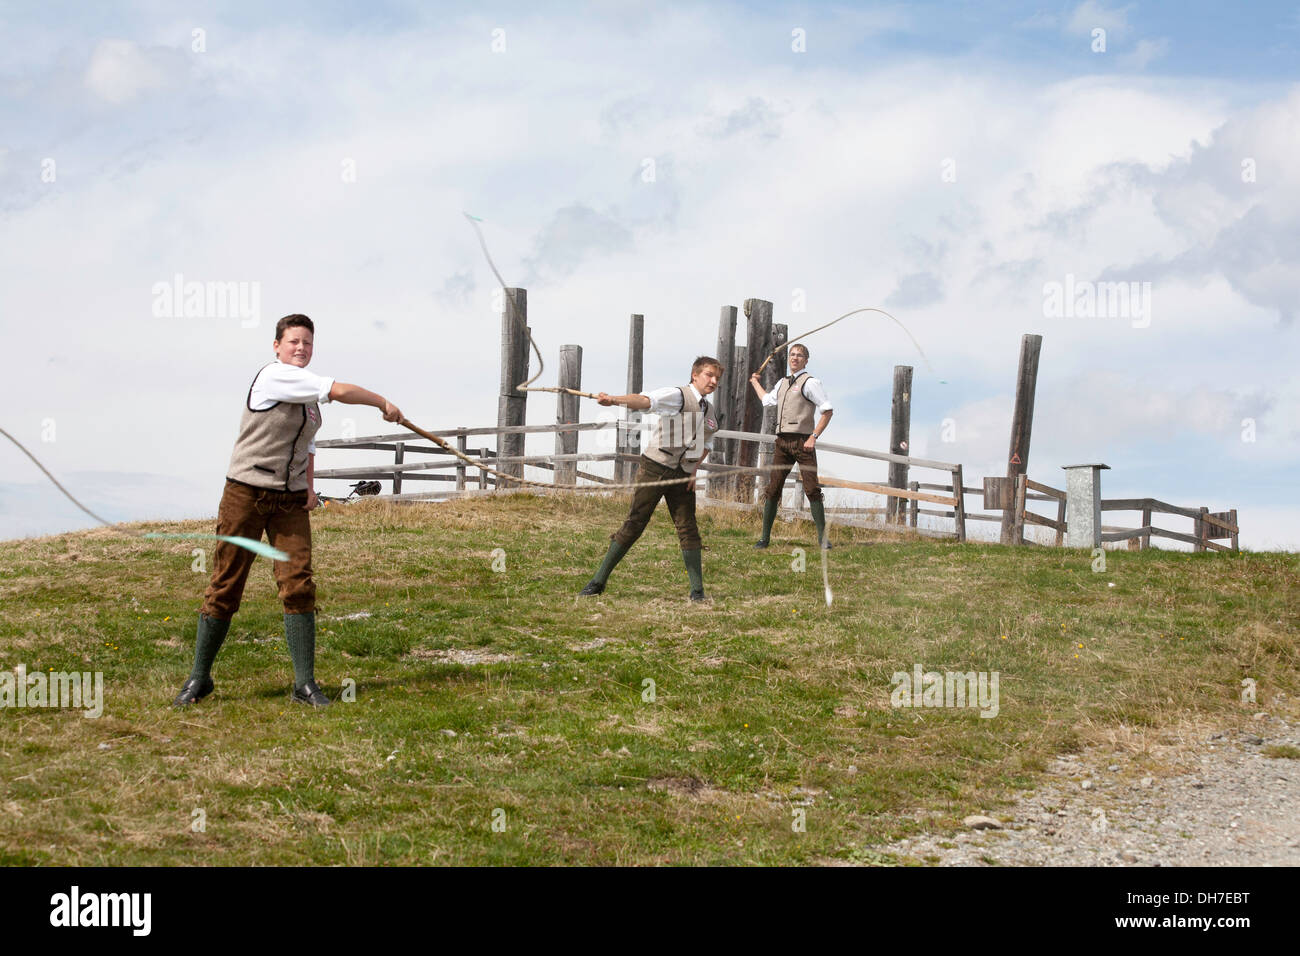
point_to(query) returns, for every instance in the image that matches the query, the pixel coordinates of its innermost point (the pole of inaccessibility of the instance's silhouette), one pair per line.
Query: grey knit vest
(271, 450)
(678, 440)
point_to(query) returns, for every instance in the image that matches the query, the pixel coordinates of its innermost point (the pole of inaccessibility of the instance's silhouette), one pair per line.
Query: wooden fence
(717, 479)
(1208, 527)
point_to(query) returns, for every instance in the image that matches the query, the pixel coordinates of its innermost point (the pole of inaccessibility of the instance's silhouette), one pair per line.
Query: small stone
(852, 769)
(1128, 856)
(1147, 781)
(978, 821)
(105, 746)
(1113, 767)
(1256, 741)
(448, 733)
(1086, 785)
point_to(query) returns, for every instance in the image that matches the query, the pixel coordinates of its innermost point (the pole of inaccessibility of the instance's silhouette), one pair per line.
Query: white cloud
(1091, 14)
(119, 70)
(1144, 54)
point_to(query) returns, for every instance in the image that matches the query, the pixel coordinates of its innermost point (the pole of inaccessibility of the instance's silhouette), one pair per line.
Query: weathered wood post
(1200, 529)
(900, 426)
(512, 408)
(724, 449)
(631, 430)
(959, 511)
(758, 333)
(1146, 523)
(780, 364)
(1018, 512)
(566, 413)
(740, 392)
(914, 505)
(460, 467)
(1022, 421)
(1236, 529)
(399, 455)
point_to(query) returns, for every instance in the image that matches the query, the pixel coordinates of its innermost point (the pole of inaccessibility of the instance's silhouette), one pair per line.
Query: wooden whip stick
(561, 390)
(795, 341)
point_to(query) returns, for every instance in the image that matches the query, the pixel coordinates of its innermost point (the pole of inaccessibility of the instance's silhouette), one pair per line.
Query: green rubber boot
(695, 572)
(207, 641)
(818, 510)
(770, 506)
(612, 557)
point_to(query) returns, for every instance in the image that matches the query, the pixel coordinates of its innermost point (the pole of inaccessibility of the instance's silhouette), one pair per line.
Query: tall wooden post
(460, 467)
(900, 426)
(566, 413)
(775, 370)
(758, 336)
(959, 510)
(1022, 421)
(739, 391)
(724, 449)
(631, 444)
(512, 406)
(399, 456)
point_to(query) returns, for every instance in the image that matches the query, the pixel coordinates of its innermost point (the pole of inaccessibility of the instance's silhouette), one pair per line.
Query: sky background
(945, 161)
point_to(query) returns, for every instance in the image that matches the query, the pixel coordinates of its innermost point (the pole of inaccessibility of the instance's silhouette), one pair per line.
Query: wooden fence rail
(717, 479)
(1207, 526)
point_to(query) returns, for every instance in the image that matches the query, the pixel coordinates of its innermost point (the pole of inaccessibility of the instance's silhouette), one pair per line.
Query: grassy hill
(489, 696)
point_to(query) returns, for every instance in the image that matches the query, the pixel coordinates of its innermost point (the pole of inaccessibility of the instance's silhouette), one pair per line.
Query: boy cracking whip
(797, 397)
(681, 440)
(269, 487)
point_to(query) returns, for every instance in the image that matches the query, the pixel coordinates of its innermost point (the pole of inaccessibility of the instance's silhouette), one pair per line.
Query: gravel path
(1213, 800)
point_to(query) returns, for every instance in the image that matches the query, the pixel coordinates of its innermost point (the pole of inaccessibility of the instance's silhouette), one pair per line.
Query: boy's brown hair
(704, 361)
(289, 321)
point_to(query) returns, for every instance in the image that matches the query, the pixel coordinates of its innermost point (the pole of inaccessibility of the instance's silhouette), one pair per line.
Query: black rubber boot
(695, 572)
(770, 506)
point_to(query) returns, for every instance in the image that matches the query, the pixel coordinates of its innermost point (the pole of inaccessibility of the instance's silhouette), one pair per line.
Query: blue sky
(946, 161)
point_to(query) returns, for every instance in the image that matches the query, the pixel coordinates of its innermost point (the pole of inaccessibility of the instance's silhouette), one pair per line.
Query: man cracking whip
(797, 397)
(682, 438)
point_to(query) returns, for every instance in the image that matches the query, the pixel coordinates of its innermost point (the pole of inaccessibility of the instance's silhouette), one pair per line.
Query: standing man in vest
(682, 439)
(797, 398)
(269, 487)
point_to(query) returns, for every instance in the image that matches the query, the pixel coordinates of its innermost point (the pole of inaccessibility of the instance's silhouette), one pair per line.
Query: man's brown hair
(289, 321)
(704, 361)
(803, 348)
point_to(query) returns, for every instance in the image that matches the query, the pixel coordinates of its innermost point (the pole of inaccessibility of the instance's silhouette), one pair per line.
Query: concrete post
(1083, 505)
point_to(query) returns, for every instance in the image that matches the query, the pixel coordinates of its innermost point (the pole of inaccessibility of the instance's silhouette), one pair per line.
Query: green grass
(485, 697)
